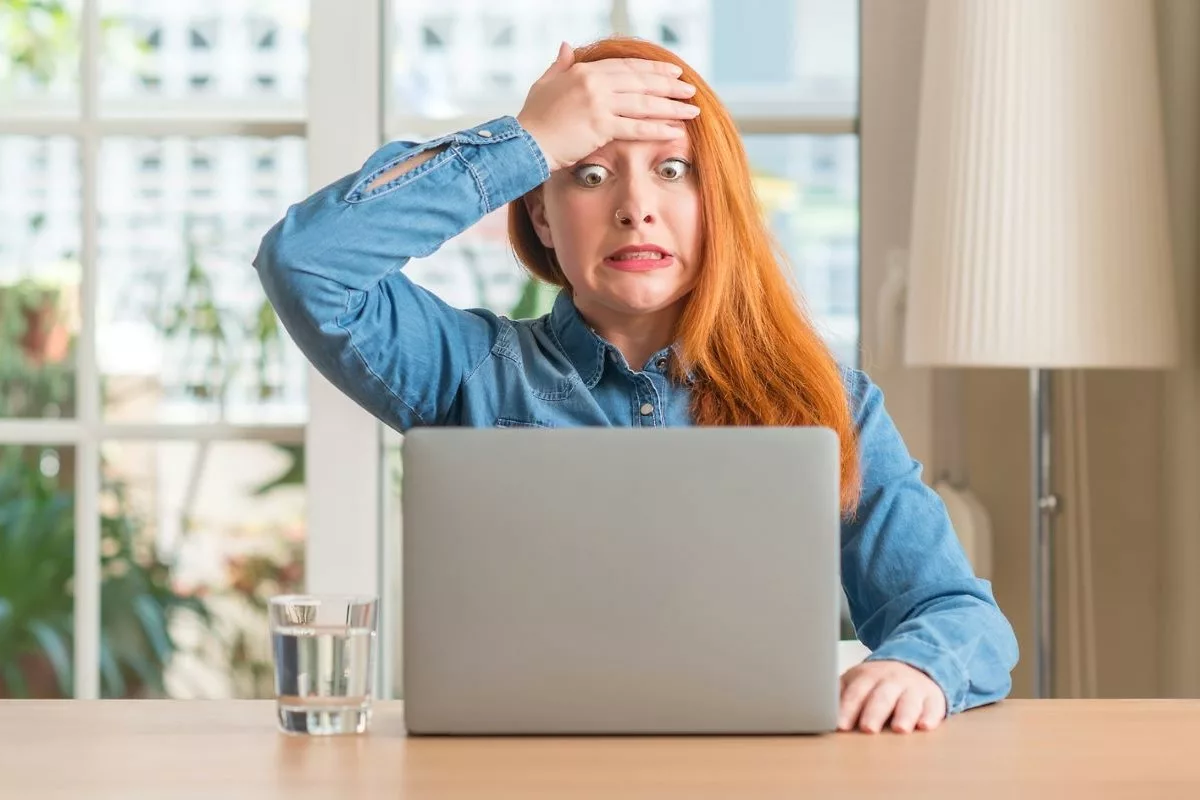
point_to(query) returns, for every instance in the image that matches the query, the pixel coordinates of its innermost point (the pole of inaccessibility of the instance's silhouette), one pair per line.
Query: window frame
(88, 430)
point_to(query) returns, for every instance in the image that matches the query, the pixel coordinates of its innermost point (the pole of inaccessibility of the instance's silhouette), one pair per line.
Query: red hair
(743, 333)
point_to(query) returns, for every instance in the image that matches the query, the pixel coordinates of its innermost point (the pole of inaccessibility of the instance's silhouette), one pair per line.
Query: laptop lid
(620, 581)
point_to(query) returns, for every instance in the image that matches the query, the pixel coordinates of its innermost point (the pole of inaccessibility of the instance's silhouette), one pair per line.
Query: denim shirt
(332, 269)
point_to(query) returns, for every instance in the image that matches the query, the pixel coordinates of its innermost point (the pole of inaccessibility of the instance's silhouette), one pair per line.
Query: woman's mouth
(633, 259)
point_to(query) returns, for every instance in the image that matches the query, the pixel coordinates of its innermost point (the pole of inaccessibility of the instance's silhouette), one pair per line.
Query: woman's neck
(637, 336)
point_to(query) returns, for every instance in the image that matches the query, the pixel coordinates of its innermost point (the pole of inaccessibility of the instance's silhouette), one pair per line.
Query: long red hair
(743, 333)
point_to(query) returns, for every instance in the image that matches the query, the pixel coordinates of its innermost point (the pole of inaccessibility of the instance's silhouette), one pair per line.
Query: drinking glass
(324, 653)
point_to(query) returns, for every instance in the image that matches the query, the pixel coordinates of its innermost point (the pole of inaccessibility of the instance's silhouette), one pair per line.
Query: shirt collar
(582, 345)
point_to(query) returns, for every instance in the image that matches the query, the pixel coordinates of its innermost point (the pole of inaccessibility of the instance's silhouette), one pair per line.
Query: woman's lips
(640, 261)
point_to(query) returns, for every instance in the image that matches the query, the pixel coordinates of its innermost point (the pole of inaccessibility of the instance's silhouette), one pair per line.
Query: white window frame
(347, 548)
(343, 443)
(87, 430)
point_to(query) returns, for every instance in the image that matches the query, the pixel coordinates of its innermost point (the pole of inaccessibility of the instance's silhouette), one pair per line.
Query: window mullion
(342, 448)
(87, 381)
(153, 127)
(72, 431)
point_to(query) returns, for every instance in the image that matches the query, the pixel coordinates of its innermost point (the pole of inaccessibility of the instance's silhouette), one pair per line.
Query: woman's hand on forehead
(575, 109)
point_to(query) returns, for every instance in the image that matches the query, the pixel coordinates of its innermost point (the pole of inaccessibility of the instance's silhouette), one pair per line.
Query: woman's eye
(673, 169)
(591, 175)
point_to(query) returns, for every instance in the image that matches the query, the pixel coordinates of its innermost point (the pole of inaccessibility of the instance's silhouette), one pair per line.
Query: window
(201, 35)
(499, 33)
(147, 396)
(152, 412)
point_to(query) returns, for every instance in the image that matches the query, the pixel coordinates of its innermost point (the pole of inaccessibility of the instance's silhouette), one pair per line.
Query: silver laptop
(620, 581)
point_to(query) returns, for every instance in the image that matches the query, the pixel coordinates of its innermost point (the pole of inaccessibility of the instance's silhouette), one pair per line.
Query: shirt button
(647, 409)
(661, 363)
(485, 133)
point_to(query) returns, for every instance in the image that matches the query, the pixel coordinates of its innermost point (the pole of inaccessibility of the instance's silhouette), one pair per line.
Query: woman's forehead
(632, 149)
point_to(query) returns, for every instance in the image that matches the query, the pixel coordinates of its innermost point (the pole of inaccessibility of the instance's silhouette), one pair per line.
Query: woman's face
(624, 224)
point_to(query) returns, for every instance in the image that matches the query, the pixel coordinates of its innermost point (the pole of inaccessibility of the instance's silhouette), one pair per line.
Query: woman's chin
(641, 302)
(634, 294)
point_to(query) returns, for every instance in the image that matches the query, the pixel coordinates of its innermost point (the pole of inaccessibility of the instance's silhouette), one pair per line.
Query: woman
(628, 187)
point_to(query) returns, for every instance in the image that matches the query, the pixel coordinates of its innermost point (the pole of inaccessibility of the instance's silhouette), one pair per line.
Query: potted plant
(36, 351)
(37, 568)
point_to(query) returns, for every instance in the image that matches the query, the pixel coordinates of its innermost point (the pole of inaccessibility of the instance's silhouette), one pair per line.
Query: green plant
(39, 35)
(196, 317)
(37, 567)
(537, 298)
(41, 39)
(211, 332)
(37, 369)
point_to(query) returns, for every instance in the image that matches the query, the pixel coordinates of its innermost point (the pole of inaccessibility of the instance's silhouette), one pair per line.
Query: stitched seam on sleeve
(487, 201)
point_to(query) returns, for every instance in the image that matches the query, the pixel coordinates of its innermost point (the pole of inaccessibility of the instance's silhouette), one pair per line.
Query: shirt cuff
(503, 157)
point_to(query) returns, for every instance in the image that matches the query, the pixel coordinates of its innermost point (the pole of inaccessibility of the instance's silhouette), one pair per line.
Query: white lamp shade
(1040, 229)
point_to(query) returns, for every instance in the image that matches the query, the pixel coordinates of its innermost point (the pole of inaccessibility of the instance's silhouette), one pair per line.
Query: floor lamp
(1039, 236)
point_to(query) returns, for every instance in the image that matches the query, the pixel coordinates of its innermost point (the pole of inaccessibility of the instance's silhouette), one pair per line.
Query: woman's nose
(632, 218)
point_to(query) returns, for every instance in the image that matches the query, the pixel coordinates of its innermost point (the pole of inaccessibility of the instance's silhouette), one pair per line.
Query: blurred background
(154, 416)
(168, 460)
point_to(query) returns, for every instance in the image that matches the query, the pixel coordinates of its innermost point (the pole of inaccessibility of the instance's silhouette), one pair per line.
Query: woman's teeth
(646, 256)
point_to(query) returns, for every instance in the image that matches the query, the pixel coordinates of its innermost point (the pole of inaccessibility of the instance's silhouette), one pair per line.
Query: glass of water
(324, 652)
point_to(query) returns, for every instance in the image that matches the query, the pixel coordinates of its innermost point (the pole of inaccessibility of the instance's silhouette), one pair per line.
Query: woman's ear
(535, 204)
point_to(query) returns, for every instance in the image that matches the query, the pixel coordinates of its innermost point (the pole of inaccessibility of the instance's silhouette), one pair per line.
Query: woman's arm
(913, 596)
(331, 267)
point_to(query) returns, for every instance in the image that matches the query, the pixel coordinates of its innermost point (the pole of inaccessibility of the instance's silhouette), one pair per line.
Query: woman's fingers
(856, 688)
(645, 106)
(932, 712)
(636, 65)
(908, 711)
(879, 706)
(648, 83)
(646, 130)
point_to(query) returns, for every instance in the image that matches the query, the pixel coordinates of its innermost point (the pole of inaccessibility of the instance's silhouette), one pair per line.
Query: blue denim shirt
(332, 269)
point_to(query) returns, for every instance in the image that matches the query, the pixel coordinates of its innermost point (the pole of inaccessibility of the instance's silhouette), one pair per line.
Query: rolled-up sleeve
(912, 594)
(332, 270)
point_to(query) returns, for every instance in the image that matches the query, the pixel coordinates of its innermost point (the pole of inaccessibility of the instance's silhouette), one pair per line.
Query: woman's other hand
(876, 692)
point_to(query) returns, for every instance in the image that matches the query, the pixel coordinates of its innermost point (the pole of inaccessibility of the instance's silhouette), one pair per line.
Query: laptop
(620, 581)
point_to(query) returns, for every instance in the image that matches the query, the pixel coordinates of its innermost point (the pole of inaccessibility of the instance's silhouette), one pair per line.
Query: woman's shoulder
(864, 395)
(857, 383)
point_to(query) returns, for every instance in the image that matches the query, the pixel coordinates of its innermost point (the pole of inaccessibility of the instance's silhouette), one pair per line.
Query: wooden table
(231, 750)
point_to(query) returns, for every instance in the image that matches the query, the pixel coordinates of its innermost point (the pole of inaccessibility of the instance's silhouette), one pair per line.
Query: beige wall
(1144, 440)
(1144, 428)
(1125, 431)
(1179, 623)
